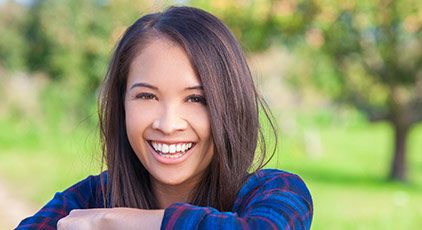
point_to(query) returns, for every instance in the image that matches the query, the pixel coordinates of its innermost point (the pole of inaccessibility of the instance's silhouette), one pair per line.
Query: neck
(170, 194)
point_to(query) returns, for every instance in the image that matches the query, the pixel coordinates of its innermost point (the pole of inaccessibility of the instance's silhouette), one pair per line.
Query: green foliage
(72, 42)
(12, 40)
(367, 54)
(257, 24)
(377, 54)
(68, 39)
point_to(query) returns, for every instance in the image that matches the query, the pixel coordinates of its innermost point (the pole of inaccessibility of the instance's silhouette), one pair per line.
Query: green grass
(348, 179)
(38, 161)
(346, 175)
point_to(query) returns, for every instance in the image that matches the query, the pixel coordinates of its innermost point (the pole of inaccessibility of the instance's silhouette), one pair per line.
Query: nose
(169, 121)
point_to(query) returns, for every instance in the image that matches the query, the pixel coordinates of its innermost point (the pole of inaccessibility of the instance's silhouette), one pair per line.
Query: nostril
(169, 124)
(156, 124)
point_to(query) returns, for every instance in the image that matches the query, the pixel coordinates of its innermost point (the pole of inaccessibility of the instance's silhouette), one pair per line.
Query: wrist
(131, 218)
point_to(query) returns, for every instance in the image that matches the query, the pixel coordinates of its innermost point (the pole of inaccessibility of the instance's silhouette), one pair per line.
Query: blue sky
(24, 2)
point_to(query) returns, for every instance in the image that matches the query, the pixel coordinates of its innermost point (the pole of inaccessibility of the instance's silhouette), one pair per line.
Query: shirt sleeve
(80, 196)
(271, 199)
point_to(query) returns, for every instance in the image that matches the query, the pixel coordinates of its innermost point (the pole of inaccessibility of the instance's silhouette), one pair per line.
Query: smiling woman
(167, 120)
(180, 129)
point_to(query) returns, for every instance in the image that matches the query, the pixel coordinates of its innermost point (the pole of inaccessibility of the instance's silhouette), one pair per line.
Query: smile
(172, 151)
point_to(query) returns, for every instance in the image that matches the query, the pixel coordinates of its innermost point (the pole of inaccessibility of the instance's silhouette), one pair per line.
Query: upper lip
(171, 142)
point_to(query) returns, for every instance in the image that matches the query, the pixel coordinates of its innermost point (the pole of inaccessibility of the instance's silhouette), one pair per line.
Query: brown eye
(197, 99)
(146, 96)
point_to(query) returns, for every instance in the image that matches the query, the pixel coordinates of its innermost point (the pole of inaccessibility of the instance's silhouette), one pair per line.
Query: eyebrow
(199, 87)
(146, 85)
(142, 84)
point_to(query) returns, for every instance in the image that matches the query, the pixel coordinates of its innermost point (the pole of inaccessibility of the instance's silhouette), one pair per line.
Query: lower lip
(165, 160)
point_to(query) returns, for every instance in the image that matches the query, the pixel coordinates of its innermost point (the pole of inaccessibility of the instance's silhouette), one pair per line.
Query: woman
(179, 129)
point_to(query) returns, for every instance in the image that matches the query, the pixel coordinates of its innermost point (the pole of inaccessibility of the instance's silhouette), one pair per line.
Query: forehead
(162, 61)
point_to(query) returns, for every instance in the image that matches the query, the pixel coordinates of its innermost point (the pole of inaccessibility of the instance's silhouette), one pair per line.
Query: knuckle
(61, 224)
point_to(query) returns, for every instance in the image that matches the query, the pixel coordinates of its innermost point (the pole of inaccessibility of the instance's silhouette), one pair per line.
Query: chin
(171, 179)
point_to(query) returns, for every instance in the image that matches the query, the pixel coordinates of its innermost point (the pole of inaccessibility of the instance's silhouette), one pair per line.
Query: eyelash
(146, 96)
(197, 99)
(192, 98)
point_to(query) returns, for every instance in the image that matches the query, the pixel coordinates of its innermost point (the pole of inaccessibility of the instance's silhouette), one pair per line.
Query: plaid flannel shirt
(270, 199)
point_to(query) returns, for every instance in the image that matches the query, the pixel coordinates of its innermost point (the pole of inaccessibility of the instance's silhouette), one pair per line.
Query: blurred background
(343, 78)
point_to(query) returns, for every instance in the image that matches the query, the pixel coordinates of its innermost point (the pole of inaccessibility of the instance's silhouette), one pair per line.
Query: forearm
(131, 218)
(112, 218)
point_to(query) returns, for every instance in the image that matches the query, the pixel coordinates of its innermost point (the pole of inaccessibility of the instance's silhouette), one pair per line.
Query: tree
(72, 41)
(12, 40)
(260, 23)
(375, 50)
(366, 53)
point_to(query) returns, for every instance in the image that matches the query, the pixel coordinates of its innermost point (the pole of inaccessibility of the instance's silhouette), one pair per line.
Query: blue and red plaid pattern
(270, 199)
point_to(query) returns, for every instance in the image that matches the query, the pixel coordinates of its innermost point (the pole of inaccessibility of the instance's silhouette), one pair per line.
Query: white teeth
(172, 156)
(175, 150)
(165, 148)
(172, 149)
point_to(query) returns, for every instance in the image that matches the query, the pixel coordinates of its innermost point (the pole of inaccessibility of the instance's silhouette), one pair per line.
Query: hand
(83, 219)
(111, 218)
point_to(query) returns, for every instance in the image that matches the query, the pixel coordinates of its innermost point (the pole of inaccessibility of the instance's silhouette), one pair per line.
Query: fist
(82, 219)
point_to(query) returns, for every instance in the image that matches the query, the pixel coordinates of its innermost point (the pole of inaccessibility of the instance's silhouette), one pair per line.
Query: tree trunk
(398, 166)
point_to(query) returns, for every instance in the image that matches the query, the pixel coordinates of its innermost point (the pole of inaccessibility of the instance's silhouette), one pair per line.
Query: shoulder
(89, 183)
(274, 182)
(275, 179)
(269, 199)
(87, 192)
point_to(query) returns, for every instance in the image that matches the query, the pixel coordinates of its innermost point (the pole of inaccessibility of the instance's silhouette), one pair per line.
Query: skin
(111, 218)
(164, 103)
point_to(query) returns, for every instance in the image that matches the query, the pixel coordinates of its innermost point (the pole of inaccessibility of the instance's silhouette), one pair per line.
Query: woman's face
(167, 119)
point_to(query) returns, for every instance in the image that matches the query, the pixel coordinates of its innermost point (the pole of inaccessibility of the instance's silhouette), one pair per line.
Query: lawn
(345, 168)
(348, 178)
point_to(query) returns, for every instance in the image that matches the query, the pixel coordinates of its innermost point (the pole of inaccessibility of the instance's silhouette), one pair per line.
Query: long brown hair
(233, 103)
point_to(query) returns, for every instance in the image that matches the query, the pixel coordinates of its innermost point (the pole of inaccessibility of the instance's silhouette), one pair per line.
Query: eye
(197, 99)
(146, 96)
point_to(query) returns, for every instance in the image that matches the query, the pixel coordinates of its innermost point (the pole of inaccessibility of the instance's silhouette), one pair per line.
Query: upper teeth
(165, 148)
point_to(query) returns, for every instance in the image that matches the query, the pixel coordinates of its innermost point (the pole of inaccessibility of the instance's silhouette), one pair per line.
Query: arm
(112, 218)
(276, 200)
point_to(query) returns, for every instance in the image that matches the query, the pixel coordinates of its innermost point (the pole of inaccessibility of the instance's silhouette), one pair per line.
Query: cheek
(200, 120)
(137, 119)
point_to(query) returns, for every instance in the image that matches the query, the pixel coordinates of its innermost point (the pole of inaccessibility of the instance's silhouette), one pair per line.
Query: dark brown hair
(232, 101)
